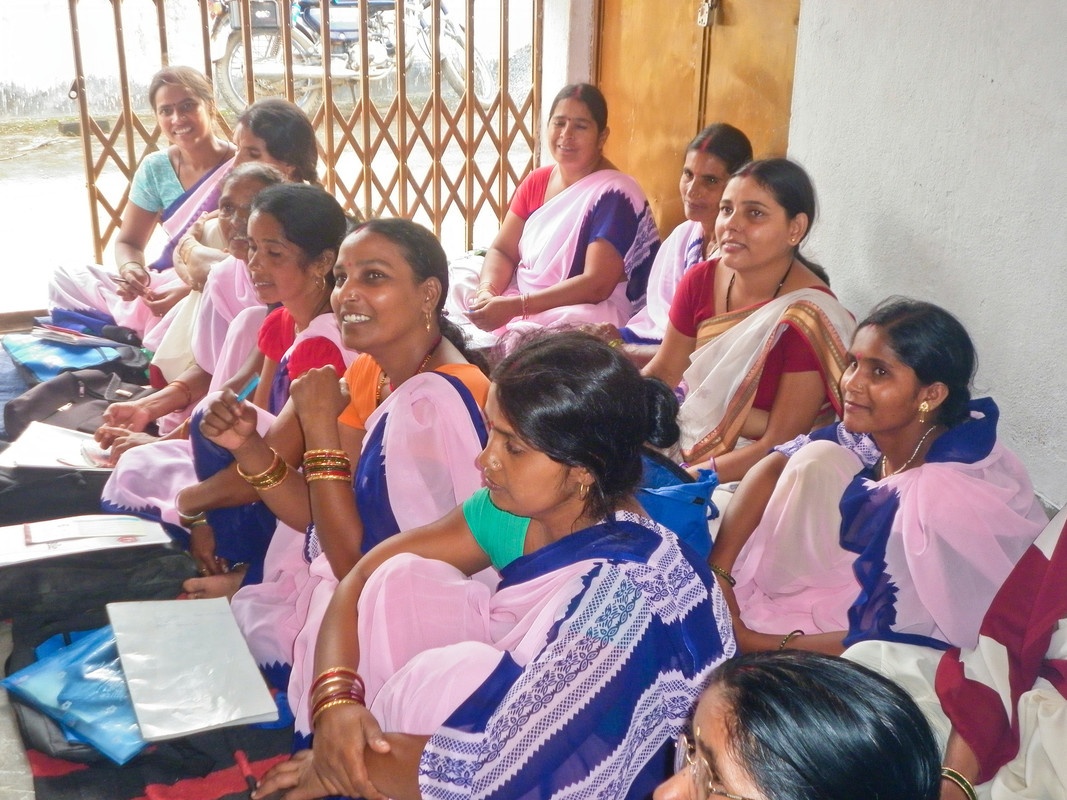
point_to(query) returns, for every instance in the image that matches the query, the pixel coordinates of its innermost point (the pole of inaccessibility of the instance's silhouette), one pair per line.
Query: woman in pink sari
(579, 239)
(171, 188)
(397, 452)
(899, 523)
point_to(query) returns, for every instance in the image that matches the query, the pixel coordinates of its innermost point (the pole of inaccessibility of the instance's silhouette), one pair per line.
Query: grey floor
(16, 782)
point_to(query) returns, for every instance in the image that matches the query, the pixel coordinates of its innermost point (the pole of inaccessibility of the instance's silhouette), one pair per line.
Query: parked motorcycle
(268, 62)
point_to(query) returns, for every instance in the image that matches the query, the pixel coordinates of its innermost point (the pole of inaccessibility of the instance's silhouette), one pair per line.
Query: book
(83, 534)
(188, 668)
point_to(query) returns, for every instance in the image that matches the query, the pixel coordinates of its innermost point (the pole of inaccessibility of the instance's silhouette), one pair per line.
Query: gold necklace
(911, 458)
(383, 377)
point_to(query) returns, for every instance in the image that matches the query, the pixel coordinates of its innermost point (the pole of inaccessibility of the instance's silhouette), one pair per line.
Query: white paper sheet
(51, 447)
(188, 667)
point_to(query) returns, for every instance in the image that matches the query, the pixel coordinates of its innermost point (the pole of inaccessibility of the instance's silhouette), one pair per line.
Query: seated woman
(714, 154)
(294, 234)
(143, 298)
(998, 708)
(125, 422)
(797, 726)
(755, 334)
(412, 426)
(898, 524)
(271, 131)
(571, 676)
(578, 241)
(171, 188)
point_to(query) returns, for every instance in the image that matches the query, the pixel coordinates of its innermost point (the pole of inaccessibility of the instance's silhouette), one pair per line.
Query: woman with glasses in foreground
(795, 725)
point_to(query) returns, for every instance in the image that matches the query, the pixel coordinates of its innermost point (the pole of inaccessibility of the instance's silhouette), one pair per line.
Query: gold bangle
(487, 286)
(726, 576)
(191, 521)
(270, 477)
(326, 451)
(788, 636)
(328, 476)
(949, 774)
(340, 701)
(524, 298)
(131, 261)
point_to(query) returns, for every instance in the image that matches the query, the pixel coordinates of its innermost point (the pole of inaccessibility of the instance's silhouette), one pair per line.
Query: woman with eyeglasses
(794, 725)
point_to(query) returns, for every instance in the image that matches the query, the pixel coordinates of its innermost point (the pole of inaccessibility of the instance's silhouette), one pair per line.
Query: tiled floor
(15, 780)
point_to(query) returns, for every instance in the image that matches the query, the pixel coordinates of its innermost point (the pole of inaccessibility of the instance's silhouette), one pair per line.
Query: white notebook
(188, 667)
(60, 537)
(47, 446)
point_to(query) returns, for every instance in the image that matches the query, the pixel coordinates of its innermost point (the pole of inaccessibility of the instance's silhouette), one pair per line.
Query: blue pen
(252, 384)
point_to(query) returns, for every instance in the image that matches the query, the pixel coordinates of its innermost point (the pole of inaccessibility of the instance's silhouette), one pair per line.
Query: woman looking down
(571, 676)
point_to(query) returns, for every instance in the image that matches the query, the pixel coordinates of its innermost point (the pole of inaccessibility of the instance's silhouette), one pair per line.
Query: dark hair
(311, 218)
(254, 171)
(793, 190)
(588, 94)
(187, 78)
(807, 726)
(288, 134)
(934, 344)
(726, 143)
(582, 403)
(427, 259)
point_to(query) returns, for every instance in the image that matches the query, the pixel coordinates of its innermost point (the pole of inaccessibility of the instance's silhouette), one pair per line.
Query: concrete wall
(936, 135)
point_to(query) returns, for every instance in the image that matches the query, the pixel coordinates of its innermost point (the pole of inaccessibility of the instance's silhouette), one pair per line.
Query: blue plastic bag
(83, 688)
(679, 505)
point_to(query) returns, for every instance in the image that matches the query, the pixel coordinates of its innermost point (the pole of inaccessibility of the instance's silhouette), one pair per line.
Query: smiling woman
(897, 524)
(578, 240)
(755, 334)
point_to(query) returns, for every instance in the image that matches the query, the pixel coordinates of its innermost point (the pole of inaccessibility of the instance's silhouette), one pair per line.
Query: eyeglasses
(685, 755)
(228, 211)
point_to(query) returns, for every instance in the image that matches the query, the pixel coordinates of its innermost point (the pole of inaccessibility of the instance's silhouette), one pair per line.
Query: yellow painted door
(665, 78)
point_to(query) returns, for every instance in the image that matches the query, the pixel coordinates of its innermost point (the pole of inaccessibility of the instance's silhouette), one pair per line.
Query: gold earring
(583, 491)
(322, 282)
(924, 409)
(428, 326)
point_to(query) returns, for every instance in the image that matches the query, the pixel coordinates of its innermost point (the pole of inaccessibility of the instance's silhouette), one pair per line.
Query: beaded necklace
(383, 377)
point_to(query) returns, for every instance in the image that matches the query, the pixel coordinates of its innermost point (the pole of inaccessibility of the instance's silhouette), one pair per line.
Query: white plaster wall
(936, 135)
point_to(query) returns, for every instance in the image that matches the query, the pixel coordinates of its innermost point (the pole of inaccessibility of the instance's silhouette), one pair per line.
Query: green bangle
(726, 576)
(949, 774)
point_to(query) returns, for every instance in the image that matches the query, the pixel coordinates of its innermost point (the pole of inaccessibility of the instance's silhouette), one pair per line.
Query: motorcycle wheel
(266, 49)
(454, 68)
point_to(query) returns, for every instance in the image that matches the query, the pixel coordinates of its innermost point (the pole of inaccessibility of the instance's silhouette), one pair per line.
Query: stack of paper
(60, 537)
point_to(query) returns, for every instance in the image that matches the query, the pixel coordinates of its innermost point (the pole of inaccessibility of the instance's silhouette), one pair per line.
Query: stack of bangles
(327, 465)
(486, 287)
(949, 774)
(270, 477)
(336, 686)
(191, 521)
(524, 298)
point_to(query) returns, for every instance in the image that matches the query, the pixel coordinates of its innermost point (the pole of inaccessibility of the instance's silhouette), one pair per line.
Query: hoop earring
(583, 491)
(924, 409)
(322, 282)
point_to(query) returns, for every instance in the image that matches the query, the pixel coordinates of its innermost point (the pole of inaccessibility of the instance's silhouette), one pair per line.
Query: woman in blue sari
(568, 677)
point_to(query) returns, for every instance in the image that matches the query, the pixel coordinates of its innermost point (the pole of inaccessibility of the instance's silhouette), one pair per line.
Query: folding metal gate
(441, 135)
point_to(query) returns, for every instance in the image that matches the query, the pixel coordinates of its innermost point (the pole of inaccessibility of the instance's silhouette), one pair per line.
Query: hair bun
(662, 413)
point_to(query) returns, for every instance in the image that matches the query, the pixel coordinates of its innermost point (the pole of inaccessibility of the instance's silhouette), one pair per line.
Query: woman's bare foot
(223, 585)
